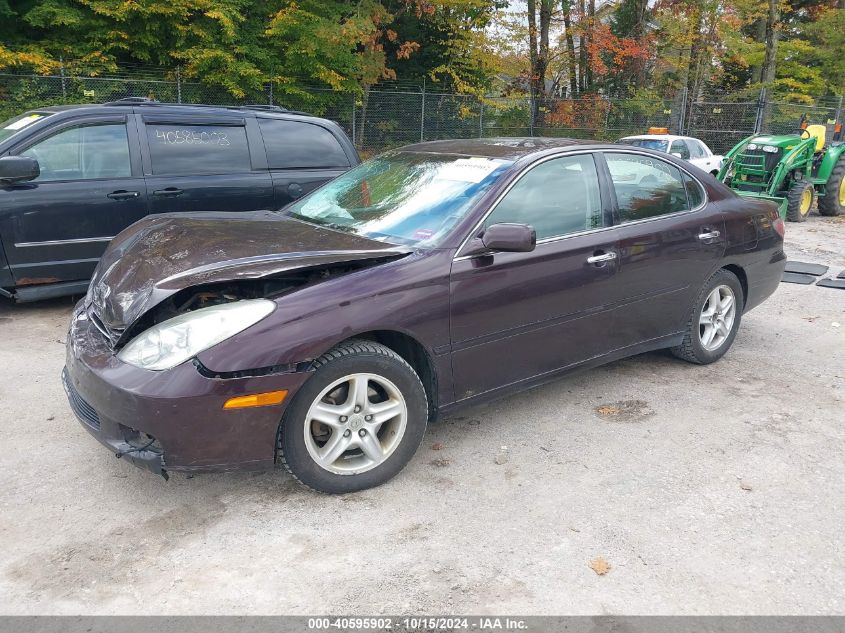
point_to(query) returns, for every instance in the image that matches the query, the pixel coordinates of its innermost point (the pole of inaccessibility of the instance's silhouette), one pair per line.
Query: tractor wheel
(799, 201)
(833, 201)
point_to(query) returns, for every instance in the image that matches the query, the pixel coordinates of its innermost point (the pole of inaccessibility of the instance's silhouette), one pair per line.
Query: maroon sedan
(441, 275)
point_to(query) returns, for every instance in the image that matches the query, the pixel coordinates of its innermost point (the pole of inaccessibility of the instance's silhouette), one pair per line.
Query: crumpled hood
(162, 254)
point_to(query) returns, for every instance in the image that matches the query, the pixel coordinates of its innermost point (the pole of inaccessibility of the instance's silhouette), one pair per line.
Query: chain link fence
(385, 117)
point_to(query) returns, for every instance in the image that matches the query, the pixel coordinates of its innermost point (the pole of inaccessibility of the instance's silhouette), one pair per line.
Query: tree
(538, 52)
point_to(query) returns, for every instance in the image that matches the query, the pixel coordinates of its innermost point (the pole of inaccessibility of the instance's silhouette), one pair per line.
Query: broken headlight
(174, 341)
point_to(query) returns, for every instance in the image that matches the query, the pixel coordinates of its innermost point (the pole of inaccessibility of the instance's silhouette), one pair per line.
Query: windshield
(648, 143)
(17, 123)
(401, 197)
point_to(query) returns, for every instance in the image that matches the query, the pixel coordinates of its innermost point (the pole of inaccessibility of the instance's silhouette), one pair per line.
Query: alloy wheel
(355, 424)
(717, 318)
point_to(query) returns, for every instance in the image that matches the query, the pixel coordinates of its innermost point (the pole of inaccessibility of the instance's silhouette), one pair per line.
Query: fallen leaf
(441, 462)
(608, 409)
(625, 410)
(600, 566)
(437, 446)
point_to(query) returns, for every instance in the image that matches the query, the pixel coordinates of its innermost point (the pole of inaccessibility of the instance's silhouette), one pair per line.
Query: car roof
(508, 148)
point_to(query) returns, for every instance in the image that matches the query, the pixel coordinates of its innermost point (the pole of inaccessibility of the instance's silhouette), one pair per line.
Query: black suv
(72, 177)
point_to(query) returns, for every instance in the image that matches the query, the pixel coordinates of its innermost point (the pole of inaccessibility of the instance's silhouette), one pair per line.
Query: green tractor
(793, 170)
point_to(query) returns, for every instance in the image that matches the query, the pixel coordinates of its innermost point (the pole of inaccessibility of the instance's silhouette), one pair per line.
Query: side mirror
(506, 238)
(18, 169)
(677, 154)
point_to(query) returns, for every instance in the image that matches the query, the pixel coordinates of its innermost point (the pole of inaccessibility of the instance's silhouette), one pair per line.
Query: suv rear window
(296, 144)
(198, 149)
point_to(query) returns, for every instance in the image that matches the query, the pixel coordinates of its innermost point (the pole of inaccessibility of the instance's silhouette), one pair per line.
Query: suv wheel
(714, 321)
(357, 421)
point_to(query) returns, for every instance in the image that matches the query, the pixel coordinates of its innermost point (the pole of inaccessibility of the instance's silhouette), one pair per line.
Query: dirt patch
(107, 565)
(624, 411)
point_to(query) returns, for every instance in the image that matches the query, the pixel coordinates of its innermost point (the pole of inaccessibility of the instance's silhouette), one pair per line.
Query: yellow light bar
(256, 400)
(658, 130)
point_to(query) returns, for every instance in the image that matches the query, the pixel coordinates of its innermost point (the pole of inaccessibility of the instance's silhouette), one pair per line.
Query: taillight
(780, 227)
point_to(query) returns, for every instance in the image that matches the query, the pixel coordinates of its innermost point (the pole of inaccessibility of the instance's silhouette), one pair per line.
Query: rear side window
(646, 187)
(295, 144)
(83, 153)
(198, 149)
(696, 149)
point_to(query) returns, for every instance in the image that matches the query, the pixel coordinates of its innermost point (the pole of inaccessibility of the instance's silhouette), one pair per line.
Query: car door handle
(122, 194)
(170, 192)
(711, 235)
(602, 258)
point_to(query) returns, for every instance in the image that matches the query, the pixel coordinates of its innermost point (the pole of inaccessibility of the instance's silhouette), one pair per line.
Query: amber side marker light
(256, 400)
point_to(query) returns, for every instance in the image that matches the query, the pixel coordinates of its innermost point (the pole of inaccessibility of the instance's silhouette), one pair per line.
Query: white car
(686, 147)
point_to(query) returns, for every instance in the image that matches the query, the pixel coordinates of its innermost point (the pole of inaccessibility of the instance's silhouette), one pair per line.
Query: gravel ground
(706, 490)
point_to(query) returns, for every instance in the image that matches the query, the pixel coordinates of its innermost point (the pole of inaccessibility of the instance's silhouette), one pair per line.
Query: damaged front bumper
(170, 420)
(138, 448)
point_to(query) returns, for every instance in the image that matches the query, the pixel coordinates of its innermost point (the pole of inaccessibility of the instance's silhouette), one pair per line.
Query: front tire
(714, 320)
(356, 422)
(833, 201)
(799, 201)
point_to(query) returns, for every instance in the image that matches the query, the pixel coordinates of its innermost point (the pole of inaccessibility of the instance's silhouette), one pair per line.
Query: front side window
(557, 197)
(295, 144)
(198, 149)
(645, 187)
(83, 153)
(401, 197)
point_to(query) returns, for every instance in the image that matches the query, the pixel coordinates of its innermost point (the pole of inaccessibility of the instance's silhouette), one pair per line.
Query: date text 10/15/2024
(420, 623)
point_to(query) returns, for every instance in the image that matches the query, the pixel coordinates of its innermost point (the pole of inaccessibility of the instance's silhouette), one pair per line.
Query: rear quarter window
(198, 149)
(695, 192)
(296, 144)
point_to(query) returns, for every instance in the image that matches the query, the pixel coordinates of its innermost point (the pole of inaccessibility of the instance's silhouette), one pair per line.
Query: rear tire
(799, 201)
(833, 201)
(356, 422)
(714, 320)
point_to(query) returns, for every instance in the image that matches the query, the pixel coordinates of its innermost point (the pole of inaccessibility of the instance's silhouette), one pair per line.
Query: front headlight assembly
(174, 341)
